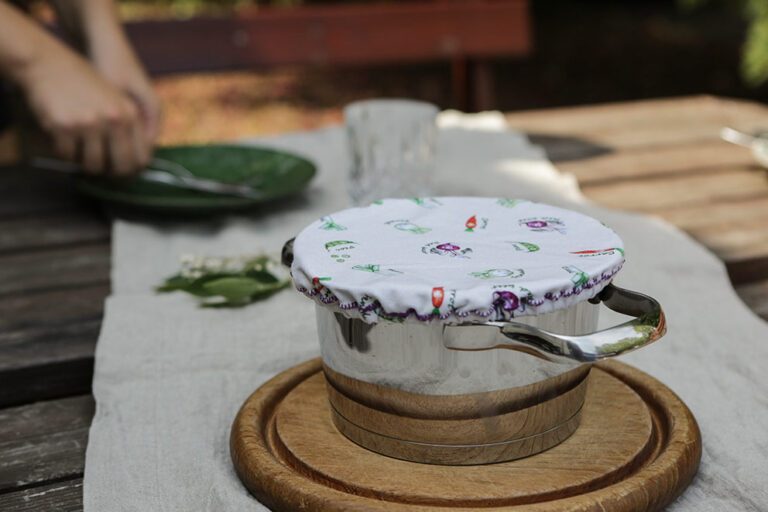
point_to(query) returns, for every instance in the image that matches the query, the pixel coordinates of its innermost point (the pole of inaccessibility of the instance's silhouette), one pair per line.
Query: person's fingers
(121, 153)
(142, 146)
(152, 117)
(125, 157)
(151, 112)
(93, 157)
(65, 145)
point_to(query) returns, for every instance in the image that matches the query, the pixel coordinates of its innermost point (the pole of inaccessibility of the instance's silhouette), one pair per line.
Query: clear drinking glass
(392, 148)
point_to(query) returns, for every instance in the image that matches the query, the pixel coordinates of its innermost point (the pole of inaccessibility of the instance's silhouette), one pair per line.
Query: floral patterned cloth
(454, 259)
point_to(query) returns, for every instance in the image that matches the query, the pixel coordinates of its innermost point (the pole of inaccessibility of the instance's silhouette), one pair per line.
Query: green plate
(275, 174)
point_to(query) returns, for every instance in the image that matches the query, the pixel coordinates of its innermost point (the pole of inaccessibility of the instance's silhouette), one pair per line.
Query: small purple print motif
(505, 302)
(446, 249)
(543, 224)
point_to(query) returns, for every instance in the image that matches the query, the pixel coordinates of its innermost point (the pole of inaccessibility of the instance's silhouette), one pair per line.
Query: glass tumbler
(392, 148)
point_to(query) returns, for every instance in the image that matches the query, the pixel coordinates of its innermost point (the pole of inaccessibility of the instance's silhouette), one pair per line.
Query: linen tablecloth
(170, 376)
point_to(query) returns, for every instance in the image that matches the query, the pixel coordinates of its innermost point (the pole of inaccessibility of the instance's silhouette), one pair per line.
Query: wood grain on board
(637, 448)
(44, 441)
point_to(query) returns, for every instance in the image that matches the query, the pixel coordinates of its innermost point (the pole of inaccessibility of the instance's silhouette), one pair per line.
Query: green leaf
(174, 283)
(218, 286)
(235, 289)
(262, 275)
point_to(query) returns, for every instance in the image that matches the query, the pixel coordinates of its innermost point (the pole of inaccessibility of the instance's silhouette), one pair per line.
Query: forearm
(92, 24)
(23, 44)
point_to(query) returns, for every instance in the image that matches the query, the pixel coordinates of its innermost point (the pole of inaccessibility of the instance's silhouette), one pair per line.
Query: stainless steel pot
(472, 393)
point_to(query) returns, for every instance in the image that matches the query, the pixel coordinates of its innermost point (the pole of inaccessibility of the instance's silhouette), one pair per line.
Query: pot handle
(648, 326)
(286, 256)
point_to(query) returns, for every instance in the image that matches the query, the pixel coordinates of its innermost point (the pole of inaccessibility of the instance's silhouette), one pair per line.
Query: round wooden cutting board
(637, 448)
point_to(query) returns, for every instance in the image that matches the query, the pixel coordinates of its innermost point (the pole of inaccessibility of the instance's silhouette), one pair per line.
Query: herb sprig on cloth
(227, 282)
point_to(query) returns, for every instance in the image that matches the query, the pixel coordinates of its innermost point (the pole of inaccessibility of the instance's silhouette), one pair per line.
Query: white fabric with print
(454, 259)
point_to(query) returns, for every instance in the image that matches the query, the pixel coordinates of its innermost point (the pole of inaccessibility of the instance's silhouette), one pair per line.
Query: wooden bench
(468, 33)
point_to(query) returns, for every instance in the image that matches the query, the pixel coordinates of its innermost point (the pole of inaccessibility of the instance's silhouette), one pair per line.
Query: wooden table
(661, 157)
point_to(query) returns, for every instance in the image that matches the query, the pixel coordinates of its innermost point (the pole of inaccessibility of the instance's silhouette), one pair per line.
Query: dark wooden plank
(24, 385)
(47, 342)
(52, 308)
(52, 230)
(66, 267)
(48, 364)
(755, 296)
(45, 418)
(64, 496)
(336, 34)
(44, 442)
(28, 191)
(749, 269)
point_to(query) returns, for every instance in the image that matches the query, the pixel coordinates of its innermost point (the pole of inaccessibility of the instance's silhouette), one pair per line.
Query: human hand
(90, 120)
(95, 26)
(112, 55)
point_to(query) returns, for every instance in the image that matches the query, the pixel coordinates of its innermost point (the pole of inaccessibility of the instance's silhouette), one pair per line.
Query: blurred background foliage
(754, 58)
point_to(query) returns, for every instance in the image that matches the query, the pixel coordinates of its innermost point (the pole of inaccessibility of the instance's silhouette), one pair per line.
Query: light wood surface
(476, 428)
(665, 158)
(492, 428)
(638, 447)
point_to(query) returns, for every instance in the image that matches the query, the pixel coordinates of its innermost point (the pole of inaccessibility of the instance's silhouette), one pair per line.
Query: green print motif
(524, 246)
(426, 202)
(498, 273)
(408, 226)
(338, 248)
(330, 225)
(376, 269)
(578, 276)
(509, 203)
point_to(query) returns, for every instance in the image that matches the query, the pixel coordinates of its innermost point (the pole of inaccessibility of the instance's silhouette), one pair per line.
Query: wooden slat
(45, 418)
(336, 34)
(755, 296)
(52, 230)
(52, 308)
(652, 195)
(695, 157)
(47, 362)
(734, 230)
(63, 496)
(58, 268)
(47, 341)
(644, 123)
(28, 191)
(44, 441)
(718, 215)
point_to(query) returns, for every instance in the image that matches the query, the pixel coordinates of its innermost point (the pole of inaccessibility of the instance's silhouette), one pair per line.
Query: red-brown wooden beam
(337, 34)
